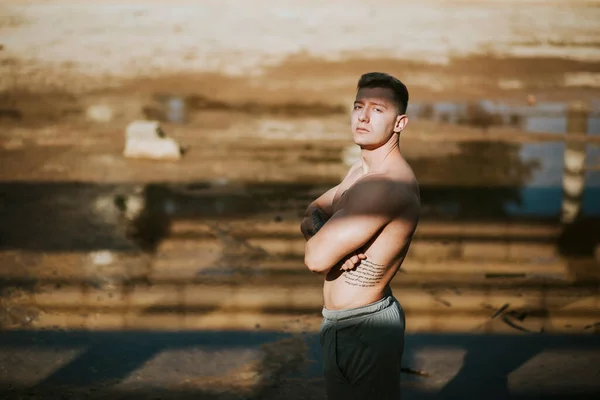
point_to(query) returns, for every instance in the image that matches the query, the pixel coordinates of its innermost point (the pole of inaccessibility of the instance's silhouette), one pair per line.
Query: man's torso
(385, 252)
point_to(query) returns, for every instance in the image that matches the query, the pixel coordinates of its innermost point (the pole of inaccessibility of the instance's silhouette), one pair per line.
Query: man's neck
(374, 159)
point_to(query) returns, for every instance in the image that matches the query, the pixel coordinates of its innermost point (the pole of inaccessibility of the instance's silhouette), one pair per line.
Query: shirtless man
(358, 234)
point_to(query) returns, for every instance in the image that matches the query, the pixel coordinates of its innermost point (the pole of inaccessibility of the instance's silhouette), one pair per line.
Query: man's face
(375, 117)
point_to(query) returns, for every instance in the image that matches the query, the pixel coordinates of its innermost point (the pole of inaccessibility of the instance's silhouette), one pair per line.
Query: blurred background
(156, 158)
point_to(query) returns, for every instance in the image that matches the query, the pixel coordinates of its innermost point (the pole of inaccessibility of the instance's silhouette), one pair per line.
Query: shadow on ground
(161, 365)
(51, 217)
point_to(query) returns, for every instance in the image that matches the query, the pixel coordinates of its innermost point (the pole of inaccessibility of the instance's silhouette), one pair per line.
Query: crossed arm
(320, 210)
(367, 209)
(317, 213)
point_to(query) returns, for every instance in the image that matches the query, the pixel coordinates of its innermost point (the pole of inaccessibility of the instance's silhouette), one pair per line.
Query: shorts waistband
(340, 315)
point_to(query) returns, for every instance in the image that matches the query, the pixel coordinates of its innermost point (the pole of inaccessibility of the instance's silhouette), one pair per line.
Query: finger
(348, 265)
(354, 259)
(362, 256)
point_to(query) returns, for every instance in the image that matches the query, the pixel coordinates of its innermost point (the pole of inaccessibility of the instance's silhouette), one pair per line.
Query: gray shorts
(362, 350)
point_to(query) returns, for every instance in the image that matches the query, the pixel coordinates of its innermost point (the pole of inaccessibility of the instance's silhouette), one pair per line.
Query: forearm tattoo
(317, 220)
(366, 274)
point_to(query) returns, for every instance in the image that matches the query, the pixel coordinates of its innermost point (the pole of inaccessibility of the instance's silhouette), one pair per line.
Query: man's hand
(353, 260)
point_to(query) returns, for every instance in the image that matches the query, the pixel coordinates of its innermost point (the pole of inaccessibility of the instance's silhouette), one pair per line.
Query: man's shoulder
(384, 190)
(391, 184)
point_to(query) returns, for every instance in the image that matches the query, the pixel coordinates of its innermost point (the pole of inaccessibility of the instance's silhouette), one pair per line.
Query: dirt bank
(441, 48)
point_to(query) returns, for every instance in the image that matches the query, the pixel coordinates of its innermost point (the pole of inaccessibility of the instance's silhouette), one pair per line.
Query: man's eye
(378, 109)
(356, 107)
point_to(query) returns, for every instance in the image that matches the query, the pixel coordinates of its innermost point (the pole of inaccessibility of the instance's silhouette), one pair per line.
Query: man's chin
(361, 140)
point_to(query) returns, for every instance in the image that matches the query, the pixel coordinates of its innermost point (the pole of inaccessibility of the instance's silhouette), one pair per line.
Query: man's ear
(401, 122)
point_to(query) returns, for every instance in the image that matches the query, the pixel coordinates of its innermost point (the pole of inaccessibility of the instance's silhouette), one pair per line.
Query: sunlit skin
(375, 121)
(371, 215)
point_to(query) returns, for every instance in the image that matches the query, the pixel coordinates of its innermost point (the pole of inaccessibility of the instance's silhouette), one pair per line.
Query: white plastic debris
(146, 139)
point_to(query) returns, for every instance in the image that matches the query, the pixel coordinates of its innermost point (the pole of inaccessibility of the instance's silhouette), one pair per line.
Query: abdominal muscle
(350, 290)
(340, 295)
(369, 281)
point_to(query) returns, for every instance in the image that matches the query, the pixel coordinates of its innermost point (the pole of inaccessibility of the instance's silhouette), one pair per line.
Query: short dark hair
(383, 80)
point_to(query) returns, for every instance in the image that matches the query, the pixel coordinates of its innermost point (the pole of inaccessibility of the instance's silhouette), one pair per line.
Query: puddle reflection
(539, 193)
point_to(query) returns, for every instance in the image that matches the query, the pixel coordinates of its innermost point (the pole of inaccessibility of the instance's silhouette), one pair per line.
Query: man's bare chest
(339, 197)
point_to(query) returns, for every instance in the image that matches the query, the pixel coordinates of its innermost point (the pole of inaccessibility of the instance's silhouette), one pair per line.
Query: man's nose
(363, 117)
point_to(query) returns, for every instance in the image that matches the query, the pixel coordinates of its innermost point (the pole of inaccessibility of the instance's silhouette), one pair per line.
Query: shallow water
(541, 193)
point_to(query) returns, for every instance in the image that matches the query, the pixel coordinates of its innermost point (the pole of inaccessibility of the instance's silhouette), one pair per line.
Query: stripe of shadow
(104, 361)
(111, 359)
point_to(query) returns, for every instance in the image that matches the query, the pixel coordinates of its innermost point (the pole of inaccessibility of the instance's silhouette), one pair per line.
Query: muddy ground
(281, 52)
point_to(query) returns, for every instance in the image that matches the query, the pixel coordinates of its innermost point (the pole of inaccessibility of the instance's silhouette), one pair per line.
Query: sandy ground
(57, 57)
(436, 46)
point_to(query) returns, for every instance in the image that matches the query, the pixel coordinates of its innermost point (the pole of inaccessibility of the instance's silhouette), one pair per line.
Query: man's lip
(362, 129)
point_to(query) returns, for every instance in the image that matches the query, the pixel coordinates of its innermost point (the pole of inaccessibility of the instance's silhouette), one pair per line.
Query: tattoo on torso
(366, 274)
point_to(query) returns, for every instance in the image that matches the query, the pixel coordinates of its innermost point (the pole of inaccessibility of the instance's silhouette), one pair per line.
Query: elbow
(313, 263)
